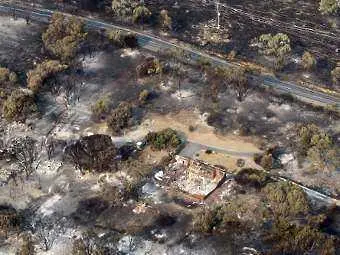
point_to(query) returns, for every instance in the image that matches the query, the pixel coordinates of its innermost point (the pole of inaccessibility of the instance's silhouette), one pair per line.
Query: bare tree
(24, 150)
(47, 230)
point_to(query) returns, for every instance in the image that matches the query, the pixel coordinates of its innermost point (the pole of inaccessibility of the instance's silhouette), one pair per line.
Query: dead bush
(120, 117)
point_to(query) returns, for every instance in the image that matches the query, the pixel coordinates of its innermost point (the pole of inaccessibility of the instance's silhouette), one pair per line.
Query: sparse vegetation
(149, 66)
(144, 95)
(165, 20)
(101, 107)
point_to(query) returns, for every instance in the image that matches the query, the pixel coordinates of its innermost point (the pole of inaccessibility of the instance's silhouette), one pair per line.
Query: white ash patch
(95, 62)
(49, 167)
(132, 53)
(47, 208)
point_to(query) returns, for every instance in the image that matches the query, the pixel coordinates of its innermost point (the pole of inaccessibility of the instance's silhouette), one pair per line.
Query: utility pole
(142, 3)
(218, 13)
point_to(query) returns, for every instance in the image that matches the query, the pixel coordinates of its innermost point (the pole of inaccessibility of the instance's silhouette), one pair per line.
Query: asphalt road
(156, 44)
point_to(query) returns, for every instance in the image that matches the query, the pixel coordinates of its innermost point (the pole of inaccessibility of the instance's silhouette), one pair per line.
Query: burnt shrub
(93, 153)
(120, 117)
(252, 177)
(89, 209)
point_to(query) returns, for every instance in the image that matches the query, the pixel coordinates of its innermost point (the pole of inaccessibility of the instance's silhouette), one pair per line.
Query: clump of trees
(164, 139)
(286, 199)
(275, 45)
(43, 71)
(120, 118)
(318, 147)
(328, 6)
(308, 61)
(93, 153)
(63, 36)
(288, 238)
(19, 105)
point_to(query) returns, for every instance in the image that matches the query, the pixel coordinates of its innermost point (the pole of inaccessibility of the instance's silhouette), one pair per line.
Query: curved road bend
(156, 44)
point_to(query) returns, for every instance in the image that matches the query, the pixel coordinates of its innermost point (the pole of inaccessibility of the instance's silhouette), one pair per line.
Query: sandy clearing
(227, 161)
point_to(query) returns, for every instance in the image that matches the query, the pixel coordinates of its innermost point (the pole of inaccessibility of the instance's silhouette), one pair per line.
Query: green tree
(101, 107)
(328, 6)
(123, 8)
(166, 138)
(63, 36)
(19, 105)
(165, 20)
(141, 14)
(286, 199)
(319, 148)
(43, 71)
(323, 154)
(288, 238)
(275, 45)
(308, 61)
